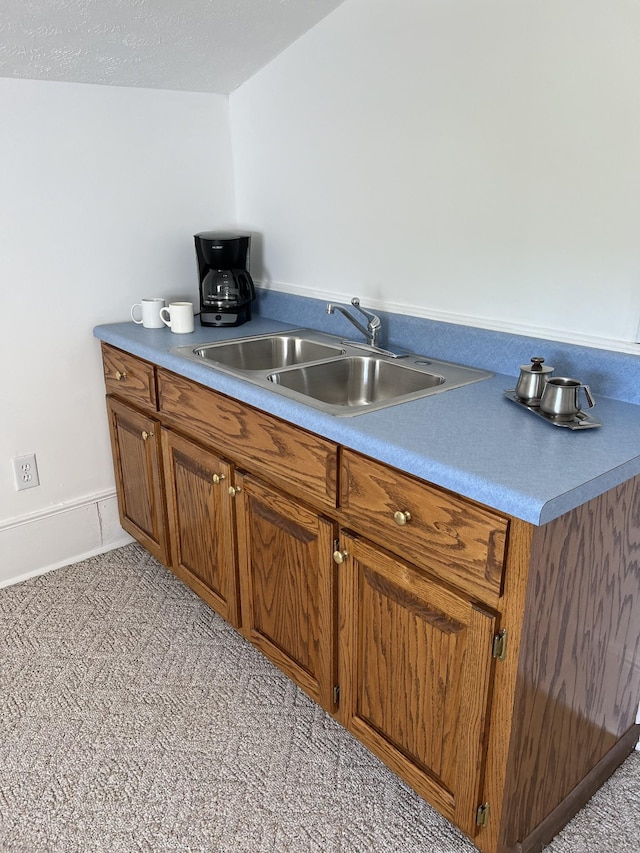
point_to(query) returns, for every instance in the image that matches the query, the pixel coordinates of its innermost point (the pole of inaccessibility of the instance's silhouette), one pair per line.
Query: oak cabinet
(135, 445)
(288, 586)
(415, 673)
(201, 520)
(295, 460)
(252, 550)
(130, 378)
(494, 665)
(452, 538)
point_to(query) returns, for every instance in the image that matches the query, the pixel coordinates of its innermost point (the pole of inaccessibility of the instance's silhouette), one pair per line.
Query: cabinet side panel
(579, 670)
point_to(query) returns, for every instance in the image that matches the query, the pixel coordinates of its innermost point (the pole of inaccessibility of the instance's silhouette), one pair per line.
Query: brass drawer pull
(120, 375)
(146, 435)
(217, 478)
(234, 490)
(401, 518)
(340, 556)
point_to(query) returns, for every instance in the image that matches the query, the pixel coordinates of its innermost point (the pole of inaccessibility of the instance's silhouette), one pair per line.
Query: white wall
(446, 157)
(478, 159)
(102, 191)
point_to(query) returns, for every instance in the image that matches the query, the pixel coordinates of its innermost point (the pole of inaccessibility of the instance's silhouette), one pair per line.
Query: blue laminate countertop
(471, 440)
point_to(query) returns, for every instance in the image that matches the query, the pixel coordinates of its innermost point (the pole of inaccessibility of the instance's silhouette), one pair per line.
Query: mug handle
(166, 322)
(589, 396)
(133, 307)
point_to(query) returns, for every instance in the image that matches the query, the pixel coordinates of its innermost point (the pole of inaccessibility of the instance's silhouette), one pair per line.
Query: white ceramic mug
(149, 312)
(179, 317)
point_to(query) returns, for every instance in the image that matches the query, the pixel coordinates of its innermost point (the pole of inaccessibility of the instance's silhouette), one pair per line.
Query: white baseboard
(42, 541)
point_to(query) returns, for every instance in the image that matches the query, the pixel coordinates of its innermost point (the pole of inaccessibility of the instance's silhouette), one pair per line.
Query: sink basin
(338, 377)
(356, 381)
(266, 353)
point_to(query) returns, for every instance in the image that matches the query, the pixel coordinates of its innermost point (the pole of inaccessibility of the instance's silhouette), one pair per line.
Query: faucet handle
(374, 321)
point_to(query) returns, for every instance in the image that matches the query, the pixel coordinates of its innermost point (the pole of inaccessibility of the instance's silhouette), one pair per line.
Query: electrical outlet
(25, 472)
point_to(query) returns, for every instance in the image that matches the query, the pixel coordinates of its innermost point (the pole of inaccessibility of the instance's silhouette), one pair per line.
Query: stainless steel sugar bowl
(533, 377)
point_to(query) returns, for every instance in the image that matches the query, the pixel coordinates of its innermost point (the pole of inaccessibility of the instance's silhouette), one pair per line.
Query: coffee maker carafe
(226, 288)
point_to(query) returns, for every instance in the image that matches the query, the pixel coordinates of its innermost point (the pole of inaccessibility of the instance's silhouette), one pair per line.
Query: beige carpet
(132, 718)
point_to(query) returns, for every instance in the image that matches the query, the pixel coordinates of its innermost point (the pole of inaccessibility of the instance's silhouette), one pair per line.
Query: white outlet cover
(25, 472)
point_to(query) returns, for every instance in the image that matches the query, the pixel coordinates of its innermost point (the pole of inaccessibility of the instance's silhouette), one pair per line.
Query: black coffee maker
(226, 288)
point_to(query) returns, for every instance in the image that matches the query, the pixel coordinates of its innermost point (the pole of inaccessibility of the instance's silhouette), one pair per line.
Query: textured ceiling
(192, 45)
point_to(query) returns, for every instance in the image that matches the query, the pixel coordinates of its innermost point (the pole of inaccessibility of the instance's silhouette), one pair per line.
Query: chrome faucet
(373, 325)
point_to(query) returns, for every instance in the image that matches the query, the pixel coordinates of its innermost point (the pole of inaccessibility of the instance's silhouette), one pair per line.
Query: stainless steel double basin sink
(336, 376)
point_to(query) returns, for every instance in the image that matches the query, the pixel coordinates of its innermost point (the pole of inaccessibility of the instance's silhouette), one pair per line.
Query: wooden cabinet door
(415, 668)
(201, 520)
(135, 444)
(287, 581)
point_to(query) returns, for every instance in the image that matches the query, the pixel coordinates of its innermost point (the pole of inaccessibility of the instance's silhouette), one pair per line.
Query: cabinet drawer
(455, 539)
(304, 464)
(129, 377)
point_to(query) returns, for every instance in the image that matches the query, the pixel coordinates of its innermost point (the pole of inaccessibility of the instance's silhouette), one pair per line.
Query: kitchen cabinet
(456, 540)
(130, 378)
(213, 512)
(288, 586)
(294, 459)
(566, 696)
(135, 444)
(493, 664)
(418, 629)
(200, 512)
(415, 675)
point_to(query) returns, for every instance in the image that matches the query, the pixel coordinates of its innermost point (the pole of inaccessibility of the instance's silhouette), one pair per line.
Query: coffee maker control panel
(210, 318)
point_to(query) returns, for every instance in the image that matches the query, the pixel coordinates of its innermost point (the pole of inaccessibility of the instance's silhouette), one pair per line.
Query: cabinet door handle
(233, 490)
(340, 556)
(146, 435)
(217, 478)
(120, 375)
(401, 518)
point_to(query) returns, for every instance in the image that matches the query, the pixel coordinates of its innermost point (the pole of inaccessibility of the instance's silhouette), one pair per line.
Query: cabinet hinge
(500, 644)
(482, 815)
(336, 694)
